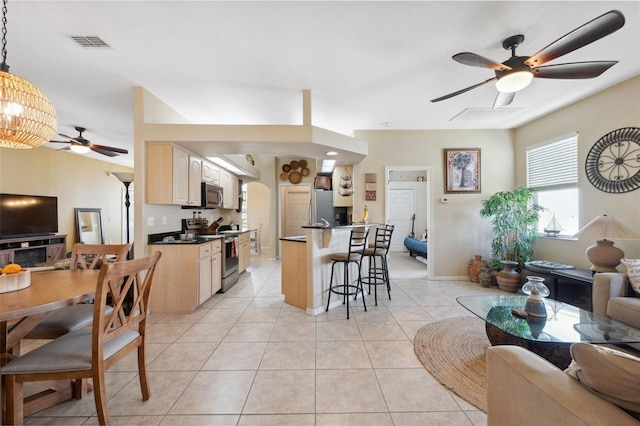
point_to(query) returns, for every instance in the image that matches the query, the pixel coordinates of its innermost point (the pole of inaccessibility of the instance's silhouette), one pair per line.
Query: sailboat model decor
(553, 228)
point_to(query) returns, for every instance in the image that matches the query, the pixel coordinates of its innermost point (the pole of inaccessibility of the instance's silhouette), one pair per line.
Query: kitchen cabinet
(227, 189)
(244, 251)
(173, 175)
(210, 173)
(294, 272)
(343, 186)
(216, 266)
(205, 275)
(187, 276)
(235, 192)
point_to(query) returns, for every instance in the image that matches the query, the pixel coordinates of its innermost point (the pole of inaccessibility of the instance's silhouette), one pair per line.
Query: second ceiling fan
(517, 72)
(81, 145)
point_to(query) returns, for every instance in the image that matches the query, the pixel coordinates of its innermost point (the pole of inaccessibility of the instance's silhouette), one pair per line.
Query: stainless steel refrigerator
(323, 207)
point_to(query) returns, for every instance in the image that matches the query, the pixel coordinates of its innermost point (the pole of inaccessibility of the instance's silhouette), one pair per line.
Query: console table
(29, 251)
(581, 277)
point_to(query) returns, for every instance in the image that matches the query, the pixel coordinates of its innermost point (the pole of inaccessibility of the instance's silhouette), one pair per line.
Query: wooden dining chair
(70, 318)
(89, 352)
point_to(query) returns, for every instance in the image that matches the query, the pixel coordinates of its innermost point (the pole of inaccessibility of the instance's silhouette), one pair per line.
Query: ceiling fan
(81, 145)
(517, 72)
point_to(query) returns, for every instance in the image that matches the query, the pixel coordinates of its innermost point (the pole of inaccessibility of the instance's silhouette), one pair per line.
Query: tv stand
(29, 251)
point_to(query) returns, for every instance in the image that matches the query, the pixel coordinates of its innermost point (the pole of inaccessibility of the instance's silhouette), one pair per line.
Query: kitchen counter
(353, 225)
(306, 264)
(300, 239)
(158, 239)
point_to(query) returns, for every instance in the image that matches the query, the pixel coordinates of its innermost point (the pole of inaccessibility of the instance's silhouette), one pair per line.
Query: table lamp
(604, 257)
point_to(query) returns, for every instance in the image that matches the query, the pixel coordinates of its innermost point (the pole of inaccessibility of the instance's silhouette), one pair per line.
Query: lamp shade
(27, 118)
(606, 227)
(124, 177)
(604, 256)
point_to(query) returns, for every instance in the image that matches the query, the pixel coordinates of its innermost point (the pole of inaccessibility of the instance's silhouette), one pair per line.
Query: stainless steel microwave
(212, 196)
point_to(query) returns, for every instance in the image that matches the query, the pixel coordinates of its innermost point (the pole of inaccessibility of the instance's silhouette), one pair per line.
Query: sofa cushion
(625, 309)
(613, 375)
(633, 272)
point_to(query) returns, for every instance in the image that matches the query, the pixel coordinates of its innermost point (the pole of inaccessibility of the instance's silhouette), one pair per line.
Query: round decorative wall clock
(613, 163)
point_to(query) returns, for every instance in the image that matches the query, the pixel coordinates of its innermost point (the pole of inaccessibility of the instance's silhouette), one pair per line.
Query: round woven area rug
(453, 351)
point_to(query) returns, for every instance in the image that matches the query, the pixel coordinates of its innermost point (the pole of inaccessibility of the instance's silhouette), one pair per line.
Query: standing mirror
(89, 226)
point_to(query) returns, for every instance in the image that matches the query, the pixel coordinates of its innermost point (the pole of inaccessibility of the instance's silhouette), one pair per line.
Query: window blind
(554, 164)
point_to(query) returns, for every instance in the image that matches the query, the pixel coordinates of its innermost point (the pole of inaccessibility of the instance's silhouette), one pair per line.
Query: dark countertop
(159, 239)
(297, 239)
(353, 225)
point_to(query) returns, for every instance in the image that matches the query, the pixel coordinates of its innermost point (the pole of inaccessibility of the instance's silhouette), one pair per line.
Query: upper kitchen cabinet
(210, 173)
(229, 184)
(173, 175)
(343, 186)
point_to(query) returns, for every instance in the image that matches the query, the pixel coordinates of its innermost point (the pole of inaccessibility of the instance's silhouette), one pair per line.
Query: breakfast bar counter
(306, 264)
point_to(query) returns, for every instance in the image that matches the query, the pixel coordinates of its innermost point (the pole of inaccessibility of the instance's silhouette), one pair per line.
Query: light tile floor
(247, 358)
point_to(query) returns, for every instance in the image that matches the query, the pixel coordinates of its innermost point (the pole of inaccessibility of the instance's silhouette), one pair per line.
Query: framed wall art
(461, 170)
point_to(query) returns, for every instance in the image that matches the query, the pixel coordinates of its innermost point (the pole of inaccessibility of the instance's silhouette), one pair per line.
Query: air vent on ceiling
(485, 114)
(89, 41)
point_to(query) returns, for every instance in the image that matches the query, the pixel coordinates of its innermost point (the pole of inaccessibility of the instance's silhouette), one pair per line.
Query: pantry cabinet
(173, 175)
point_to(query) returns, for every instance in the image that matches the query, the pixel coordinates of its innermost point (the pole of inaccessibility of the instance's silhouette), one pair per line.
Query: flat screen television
(27, 215)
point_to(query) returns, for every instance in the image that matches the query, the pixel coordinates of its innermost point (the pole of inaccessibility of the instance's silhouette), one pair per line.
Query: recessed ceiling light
(385, 123)
(332, 153)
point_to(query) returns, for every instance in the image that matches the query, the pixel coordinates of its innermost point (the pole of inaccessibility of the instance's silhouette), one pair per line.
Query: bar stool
(357, 244)
(378, 273)
(255, 240)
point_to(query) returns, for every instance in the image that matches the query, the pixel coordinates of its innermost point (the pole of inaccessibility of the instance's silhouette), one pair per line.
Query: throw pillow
(633, 272)
(613, 375)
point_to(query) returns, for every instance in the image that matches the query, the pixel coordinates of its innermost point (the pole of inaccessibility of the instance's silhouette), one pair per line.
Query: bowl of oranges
(14, 277)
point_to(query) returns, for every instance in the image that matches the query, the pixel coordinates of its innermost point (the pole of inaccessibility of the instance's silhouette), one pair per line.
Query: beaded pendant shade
(27, 118)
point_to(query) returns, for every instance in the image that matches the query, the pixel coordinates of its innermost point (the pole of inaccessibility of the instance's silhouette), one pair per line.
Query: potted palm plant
(514, 216)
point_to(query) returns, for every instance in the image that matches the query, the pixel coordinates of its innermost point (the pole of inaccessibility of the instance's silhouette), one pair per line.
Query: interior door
(296, 210)
(402, 206)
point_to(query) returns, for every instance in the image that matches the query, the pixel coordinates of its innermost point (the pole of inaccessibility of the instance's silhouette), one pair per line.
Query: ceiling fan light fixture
(80, 149)
(27, 117)
(514, 81)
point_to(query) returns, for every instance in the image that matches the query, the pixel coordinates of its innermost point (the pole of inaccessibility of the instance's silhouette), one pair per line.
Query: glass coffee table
(548, 337)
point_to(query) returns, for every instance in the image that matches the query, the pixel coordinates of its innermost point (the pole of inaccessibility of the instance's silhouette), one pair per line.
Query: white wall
(592, 118)
(76, 180)
(458, 232)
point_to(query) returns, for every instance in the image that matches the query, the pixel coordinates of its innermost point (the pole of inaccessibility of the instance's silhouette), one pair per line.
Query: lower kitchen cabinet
(186, 276)
(244, 249)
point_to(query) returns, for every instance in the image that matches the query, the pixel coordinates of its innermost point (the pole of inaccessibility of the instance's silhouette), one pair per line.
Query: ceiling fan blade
(574, 70)
(459, 92)
(108, 148)
(65, 136)
(103, 152)
(503, 99)
(471, 59)
(593, 30)
(58, 142)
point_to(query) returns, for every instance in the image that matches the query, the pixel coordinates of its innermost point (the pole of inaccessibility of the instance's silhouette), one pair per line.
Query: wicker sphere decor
(29, 118)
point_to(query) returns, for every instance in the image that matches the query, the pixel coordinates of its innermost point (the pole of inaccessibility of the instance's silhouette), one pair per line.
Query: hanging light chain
(3, 65)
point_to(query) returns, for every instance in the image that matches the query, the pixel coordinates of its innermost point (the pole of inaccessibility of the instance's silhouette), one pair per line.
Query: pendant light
(27, 118)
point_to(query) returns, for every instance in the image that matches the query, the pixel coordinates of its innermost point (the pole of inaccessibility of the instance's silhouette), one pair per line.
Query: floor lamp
(126, 179)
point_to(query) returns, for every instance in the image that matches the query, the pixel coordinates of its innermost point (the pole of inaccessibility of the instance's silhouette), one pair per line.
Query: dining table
(22, 310)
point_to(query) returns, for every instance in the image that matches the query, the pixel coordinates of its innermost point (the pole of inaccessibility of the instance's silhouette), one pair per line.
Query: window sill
(559, 237)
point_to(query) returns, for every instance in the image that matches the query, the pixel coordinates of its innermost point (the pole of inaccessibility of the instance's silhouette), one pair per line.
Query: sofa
(525, 389)
(613, 298)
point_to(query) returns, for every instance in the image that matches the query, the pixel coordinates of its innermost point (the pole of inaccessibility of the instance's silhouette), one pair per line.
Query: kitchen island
(306, 264)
